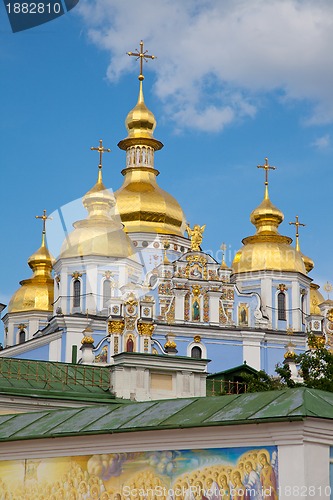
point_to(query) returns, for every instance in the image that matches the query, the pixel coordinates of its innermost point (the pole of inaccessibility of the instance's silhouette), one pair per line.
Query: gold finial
(266, 167)
(166, 245)
(143, 56)
(44, 218)
(297, 224)
(101, 151)
(196, 236)
(328, 288)
(223, 247)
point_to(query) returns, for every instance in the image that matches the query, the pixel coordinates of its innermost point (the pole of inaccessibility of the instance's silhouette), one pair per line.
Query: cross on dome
(297, 225)
(142, 56)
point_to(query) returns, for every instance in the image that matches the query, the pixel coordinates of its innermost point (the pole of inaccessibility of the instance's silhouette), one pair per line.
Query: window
(21, 337)
(106, 292)
(281, 306)
(77, 293)
(196, 352)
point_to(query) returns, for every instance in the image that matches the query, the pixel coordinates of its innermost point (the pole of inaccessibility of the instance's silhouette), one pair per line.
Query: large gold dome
(267, 249)
(101, 233)
(37, 292)
(142, 205)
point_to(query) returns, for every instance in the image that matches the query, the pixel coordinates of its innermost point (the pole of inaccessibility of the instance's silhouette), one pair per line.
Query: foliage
(315, 367)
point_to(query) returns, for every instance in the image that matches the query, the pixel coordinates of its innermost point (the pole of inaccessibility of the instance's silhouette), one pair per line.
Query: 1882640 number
(33, 8)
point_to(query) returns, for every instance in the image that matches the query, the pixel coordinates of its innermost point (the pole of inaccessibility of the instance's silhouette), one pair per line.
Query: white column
(214, 300)
(266, 296)
(295, 306)
(179, 304)
(252, 348)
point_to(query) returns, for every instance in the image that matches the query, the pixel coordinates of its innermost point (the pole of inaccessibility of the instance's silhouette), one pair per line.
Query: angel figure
(196, 236)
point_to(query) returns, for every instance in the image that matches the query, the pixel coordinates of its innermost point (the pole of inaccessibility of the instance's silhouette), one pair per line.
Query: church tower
(153, 219)
(269, 265)
(32, 304)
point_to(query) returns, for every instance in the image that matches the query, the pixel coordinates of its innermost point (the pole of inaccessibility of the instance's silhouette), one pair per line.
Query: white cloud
(323, 142)
(209, 51)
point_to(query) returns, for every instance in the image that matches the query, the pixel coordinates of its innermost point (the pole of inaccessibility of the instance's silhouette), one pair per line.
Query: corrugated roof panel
(284, 404)
(159, 412)
(82, 419)
(45, 425)
(200, 410)
(119, 416)
(243, 406)
(20, 421)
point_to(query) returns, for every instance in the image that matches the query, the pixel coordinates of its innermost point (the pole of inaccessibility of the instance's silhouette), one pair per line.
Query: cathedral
(131, 277)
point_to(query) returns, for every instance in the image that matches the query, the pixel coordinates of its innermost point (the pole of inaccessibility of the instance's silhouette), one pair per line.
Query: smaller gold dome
(101, 233)
(267, 249)
(308, 262)
(37, 292)
(140, 121)
(316, 298)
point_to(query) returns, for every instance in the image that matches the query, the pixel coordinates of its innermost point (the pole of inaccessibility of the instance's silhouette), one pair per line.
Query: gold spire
(267, 249)
(101, 233)
(267, 168)
(142, 205)
(297, 224)
(101, 151)
(266, 217)
(309, 264)
(36, 293)
(223, 265)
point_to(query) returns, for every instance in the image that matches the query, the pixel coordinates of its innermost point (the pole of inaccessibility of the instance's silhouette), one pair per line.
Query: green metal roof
(261, 407)
(44, 379)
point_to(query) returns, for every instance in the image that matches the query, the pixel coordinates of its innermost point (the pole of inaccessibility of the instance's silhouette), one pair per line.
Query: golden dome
(267, 249)
(309, 264)
(101, 233)
(37, 292)
(316, 298)
(142, 205)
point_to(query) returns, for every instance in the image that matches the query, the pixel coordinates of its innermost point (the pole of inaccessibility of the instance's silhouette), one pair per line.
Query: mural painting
(213, 474)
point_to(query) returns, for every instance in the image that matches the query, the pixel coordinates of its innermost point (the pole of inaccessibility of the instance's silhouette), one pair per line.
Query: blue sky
(234, 81)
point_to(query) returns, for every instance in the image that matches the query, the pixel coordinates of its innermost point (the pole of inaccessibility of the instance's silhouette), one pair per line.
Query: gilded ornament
(197, 338)
(87, 340)
(76, 275)
(170, 344)
(316, 341)
(116, 327)
(196, 290)
(195, 235)
(108, 274)
(330, 315)
(282, 287)
(21, 326)
(146, 311)
(130, 323)
(145, 328)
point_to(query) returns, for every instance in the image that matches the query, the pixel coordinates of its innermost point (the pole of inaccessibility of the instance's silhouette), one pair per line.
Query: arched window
(281, 306)
(77, 293)
(21, 337)
(196, 352)
(106, 292)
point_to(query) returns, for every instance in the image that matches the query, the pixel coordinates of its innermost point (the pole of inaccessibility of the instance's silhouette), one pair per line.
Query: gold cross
(297, 224)
(143, 56)
(266, 167)
(44, 218)
(101, 151)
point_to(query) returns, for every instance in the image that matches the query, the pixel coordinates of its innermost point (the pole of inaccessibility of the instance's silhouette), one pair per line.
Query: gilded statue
(196, 236)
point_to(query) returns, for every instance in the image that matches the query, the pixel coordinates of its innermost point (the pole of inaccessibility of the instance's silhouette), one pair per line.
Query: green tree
(315, 367)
